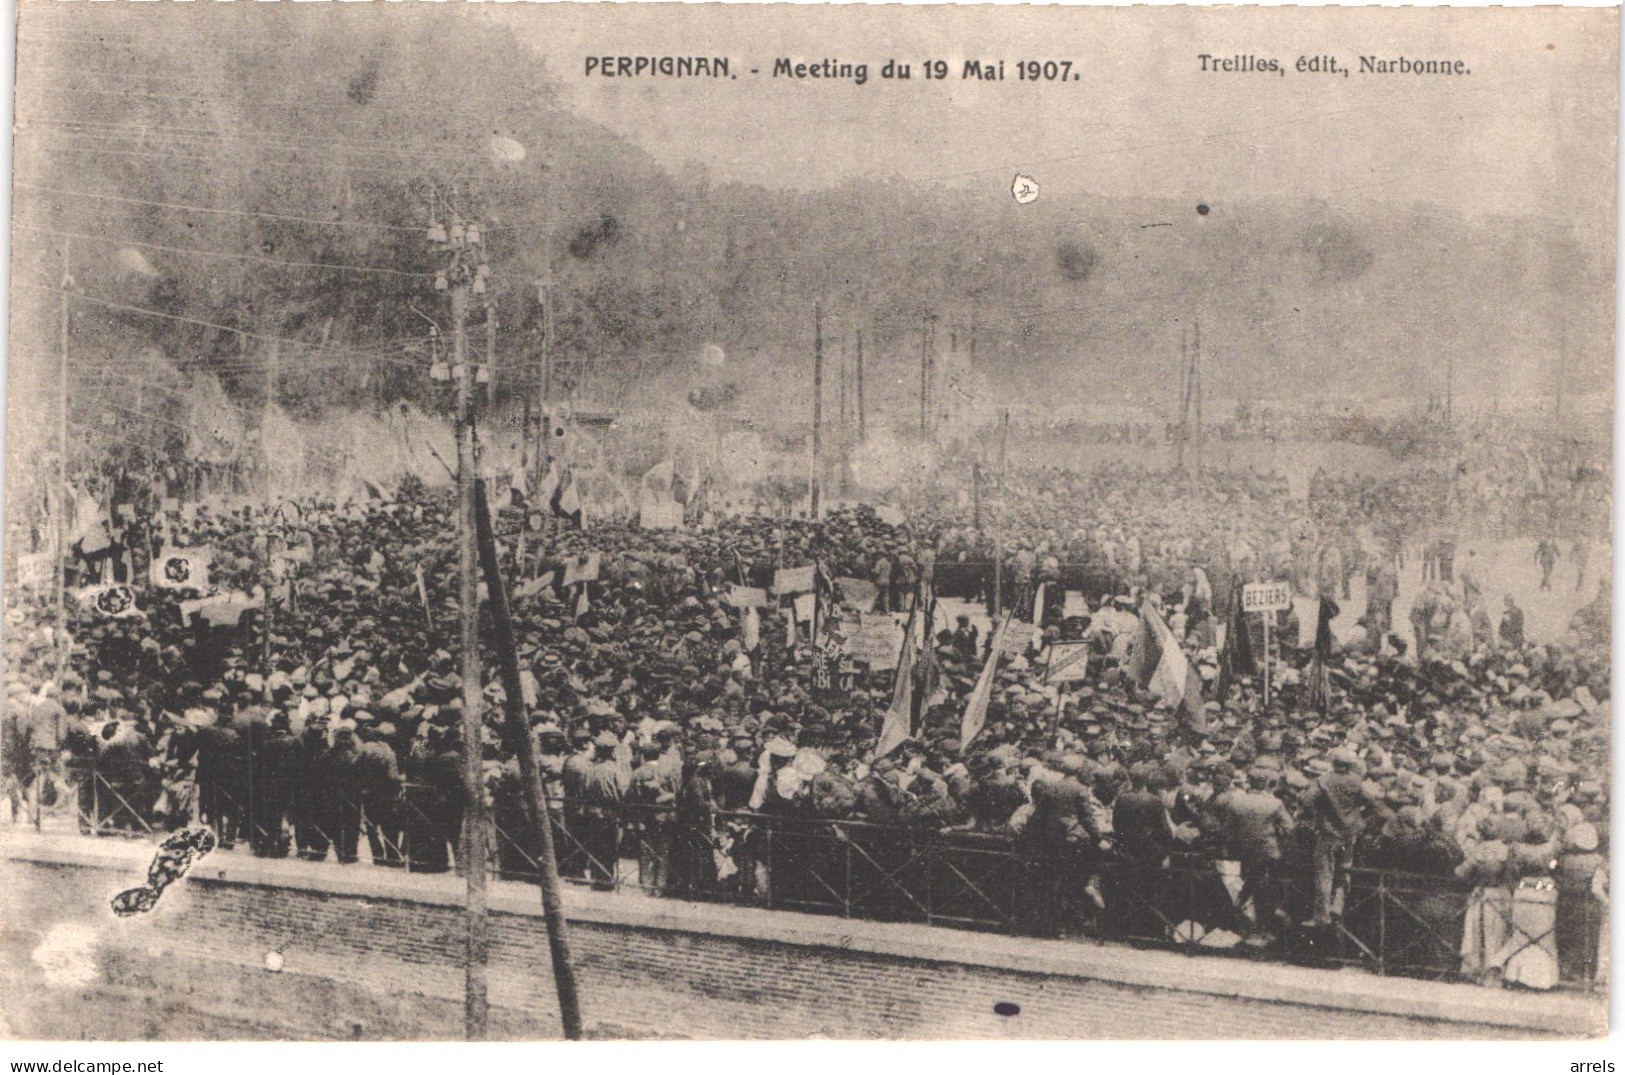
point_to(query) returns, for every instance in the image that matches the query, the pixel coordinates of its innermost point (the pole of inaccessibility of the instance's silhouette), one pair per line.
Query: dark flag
(823, 599)
(928, 668)
(1236, 655)
(1320, 683)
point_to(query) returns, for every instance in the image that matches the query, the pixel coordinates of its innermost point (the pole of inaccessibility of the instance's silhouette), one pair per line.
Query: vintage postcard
(605, 521)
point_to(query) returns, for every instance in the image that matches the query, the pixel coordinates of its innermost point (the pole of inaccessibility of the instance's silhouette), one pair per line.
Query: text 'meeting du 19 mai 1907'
(996, 69)
(890, 69)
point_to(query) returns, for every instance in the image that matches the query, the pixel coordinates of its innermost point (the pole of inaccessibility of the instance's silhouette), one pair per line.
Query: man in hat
(277, 774)
(965, 638)
(310, 819)
(1337, 811)
(434, 799)
(652, 793)
(378, 782)
(600, 788)
(219, 775)
(1256, 825)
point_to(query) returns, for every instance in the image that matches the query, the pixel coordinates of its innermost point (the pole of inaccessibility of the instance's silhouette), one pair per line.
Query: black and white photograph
(631, 522)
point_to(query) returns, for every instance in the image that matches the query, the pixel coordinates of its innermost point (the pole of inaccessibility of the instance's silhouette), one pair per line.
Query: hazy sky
(1529, 131)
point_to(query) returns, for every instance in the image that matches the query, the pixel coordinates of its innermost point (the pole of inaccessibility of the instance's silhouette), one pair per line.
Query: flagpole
(998, 523)
(265, 452)
(815, 493)
(1267, 616)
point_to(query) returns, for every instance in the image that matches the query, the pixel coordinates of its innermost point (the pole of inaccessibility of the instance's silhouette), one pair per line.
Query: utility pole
(490, 356)
(924, 343)
(268, 577)
(843, 390)
(818, 409)
(62, 473)
(1184, 399)
(1449, 387)
(845, 433)
(1196, 388)
(930, 374)
(544, 446)
(477, 939)
(862, 432)
(1562, 366)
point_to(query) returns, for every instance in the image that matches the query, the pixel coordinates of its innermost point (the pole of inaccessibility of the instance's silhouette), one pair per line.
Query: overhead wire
(230, 255)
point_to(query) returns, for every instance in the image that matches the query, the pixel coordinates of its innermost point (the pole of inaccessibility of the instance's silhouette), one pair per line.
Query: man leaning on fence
(1338, 806)
(1255, 825)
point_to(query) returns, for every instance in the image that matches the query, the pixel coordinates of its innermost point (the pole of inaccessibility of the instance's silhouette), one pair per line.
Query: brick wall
(368, 965)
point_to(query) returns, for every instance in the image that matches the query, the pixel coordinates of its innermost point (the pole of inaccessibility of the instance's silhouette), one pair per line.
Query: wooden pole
(862, 431)
(998, 522)
(62, 474)
(476, 951)
(544, 446)
(1269, 614)
(530, 771)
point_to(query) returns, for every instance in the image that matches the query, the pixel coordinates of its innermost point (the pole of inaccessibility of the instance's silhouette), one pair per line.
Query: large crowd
(724, 747)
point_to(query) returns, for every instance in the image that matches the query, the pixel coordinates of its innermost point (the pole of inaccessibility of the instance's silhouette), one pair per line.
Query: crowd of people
(734, 755)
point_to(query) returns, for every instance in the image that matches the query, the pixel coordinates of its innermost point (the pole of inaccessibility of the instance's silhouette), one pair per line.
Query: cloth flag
(566, 500)
(534, 586)
(1320, 683)
(583, 568)
(89, 533)
(752, 630)
(582, 604)
(793, 580)
(976, 709)
(746, 597)
(1161, 667)
(897, 725)
(547, 488)
(182, 569)
(115, 601)
(222, 610)
(1236, 654)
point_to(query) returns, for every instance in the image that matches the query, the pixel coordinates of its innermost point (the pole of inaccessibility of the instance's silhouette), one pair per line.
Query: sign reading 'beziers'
(1266, 596)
